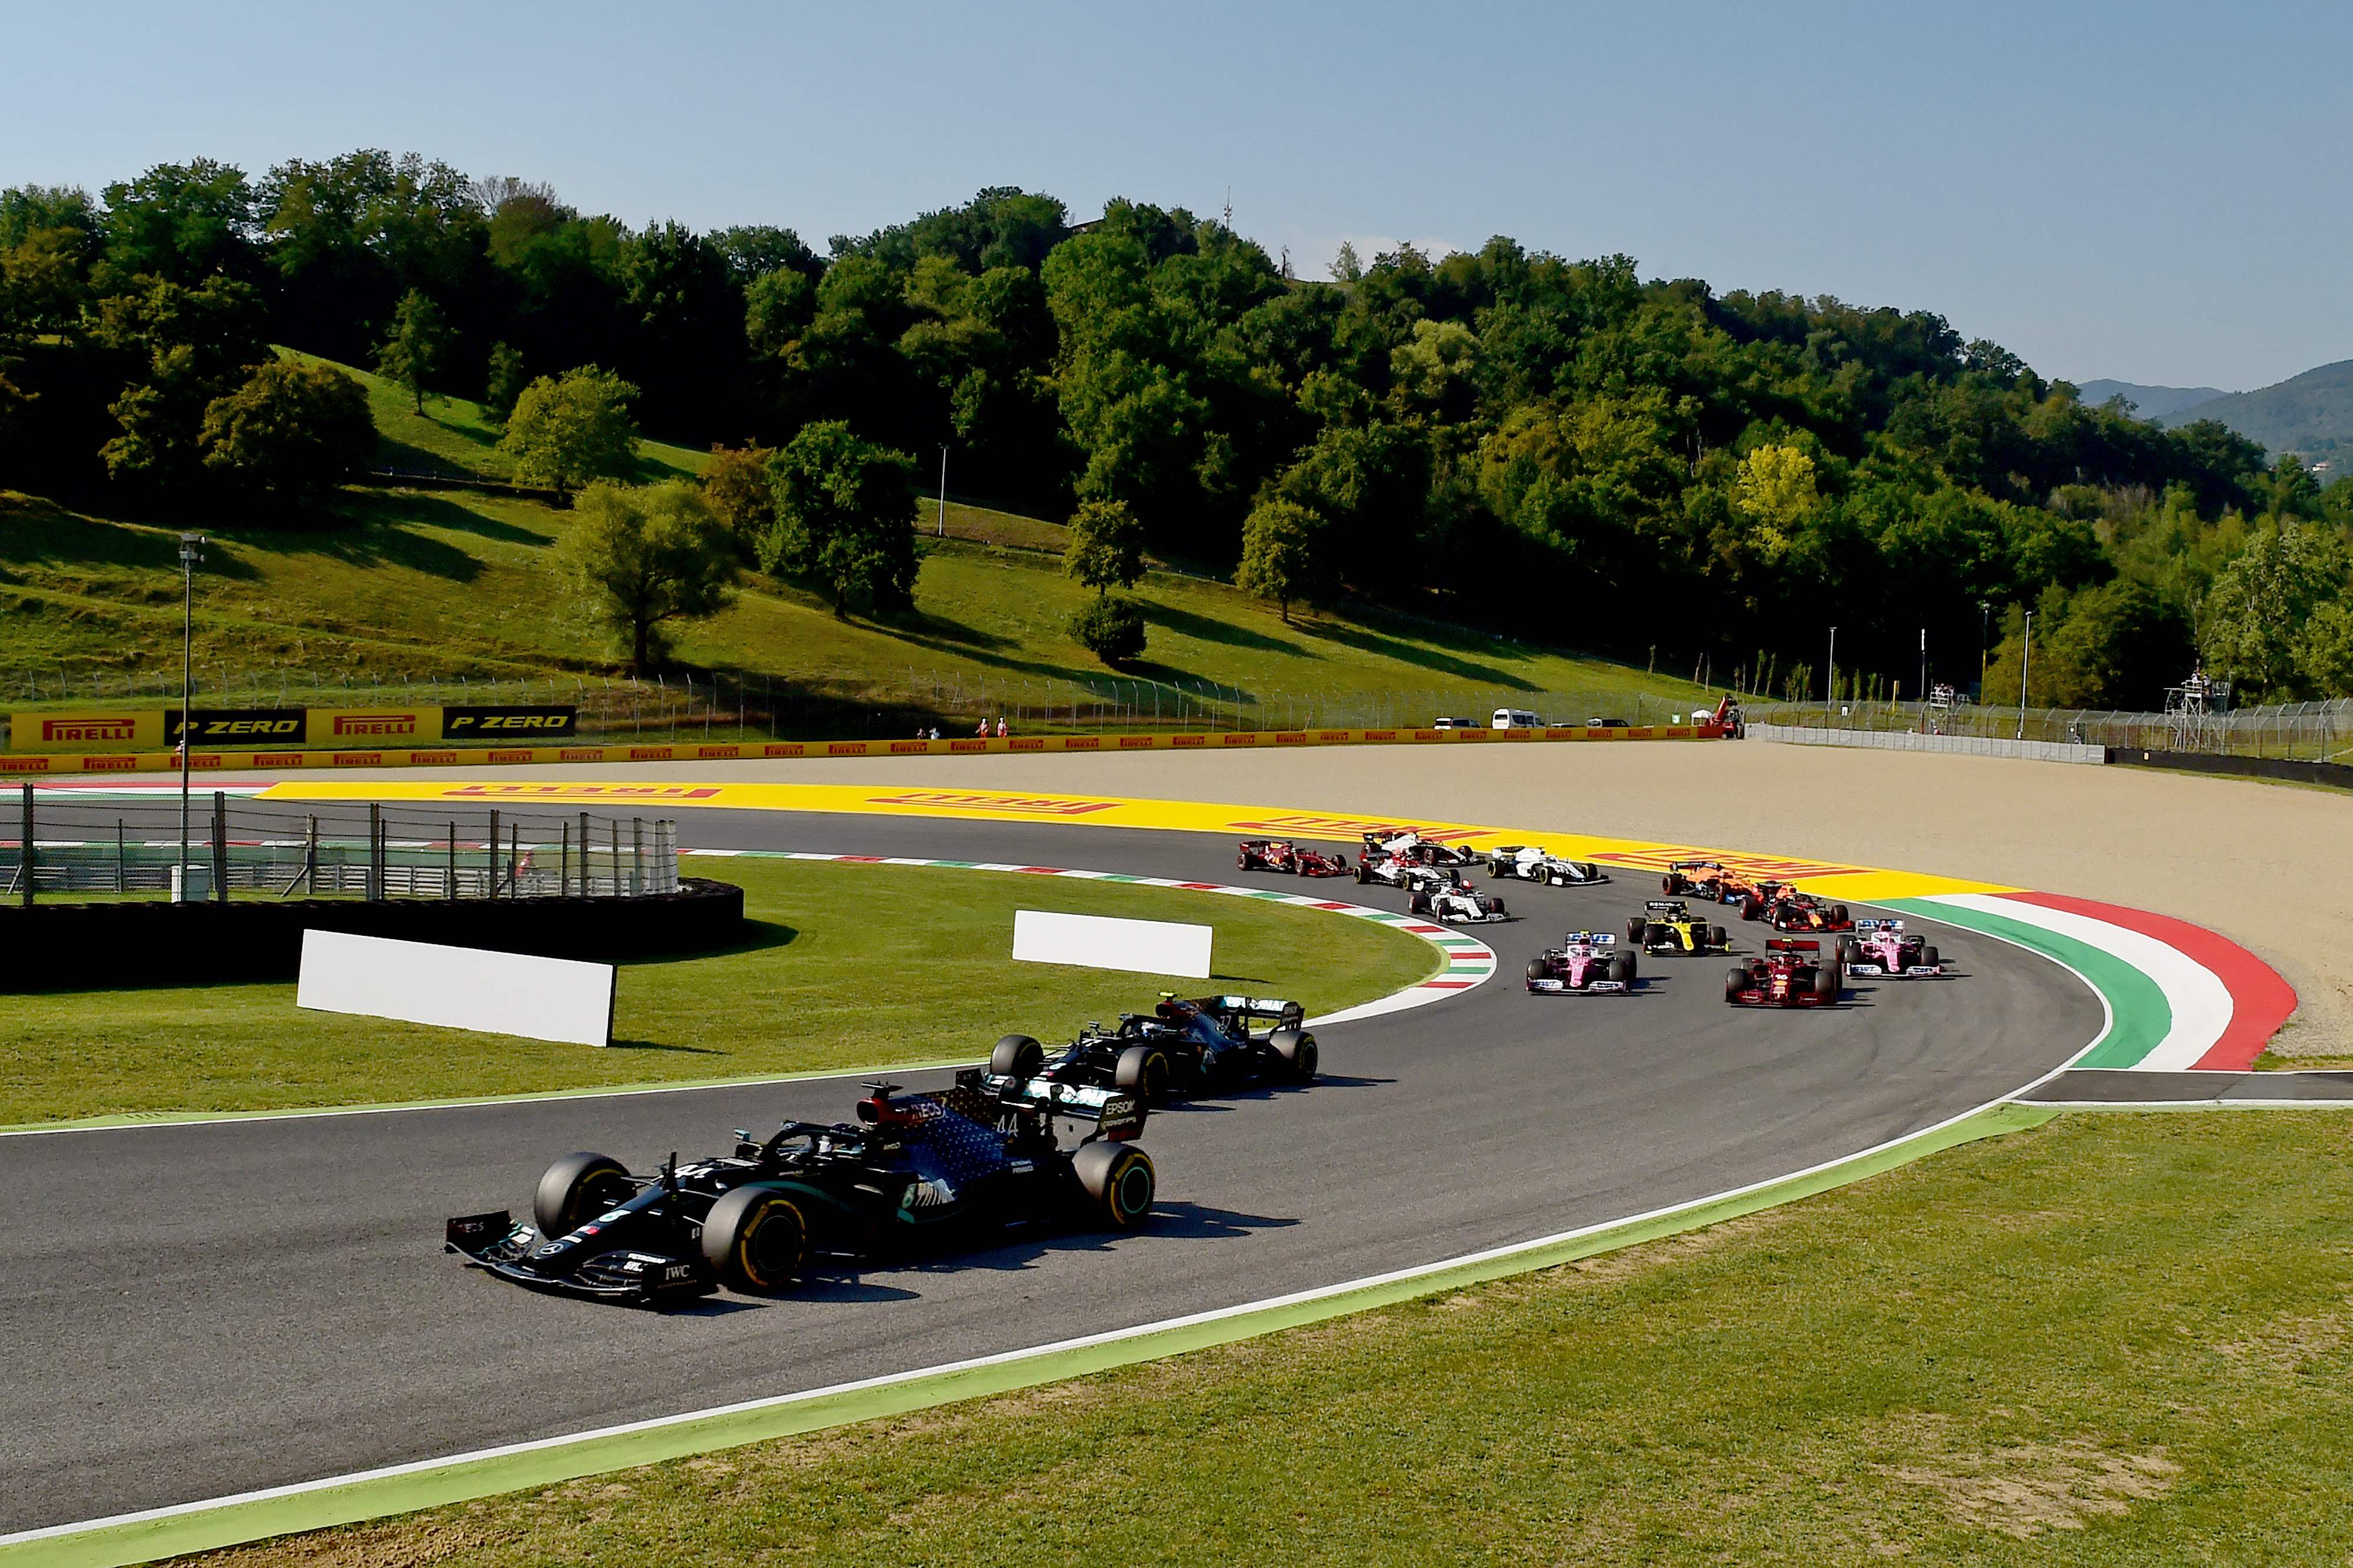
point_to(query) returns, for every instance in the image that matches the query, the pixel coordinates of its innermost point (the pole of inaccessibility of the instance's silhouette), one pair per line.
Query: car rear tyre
(1017, 1055)
(1119, 1181)
(1501, 911)
(1360, 873)
(1144, 1072)
(1838, 914)
(1716, 937)
(1751, 907)
(576, 1189)
(1297, 1050)
(755, 1238)
(1667, 884)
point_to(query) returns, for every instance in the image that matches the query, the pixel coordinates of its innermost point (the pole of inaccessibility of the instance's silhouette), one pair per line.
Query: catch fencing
(2308, 731)
(236, 848)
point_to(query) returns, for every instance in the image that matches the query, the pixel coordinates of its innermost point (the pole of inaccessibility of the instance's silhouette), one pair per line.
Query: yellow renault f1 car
(1667, 926)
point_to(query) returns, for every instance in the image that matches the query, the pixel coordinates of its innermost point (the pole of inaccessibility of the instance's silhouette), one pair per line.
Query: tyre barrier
(2336, 775)
(90, 946)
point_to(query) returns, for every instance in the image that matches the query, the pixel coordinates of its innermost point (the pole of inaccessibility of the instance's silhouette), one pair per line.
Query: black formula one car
(1196, 1046)
(1667, 926)
(916, 1172)
(1281, 855)
(1530, 863)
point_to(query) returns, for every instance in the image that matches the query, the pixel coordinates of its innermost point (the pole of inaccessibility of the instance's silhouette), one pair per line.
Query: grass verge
(851, 967)
(2118, 1339)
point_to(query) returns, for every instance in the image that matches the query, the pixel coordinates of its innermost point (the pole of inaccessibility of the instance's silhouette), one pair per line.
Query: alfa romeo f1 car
(1790, 909)
(1667, 925)
(1883, 948)
(1443, 895)
(916, 1171)
(1281, 855)
(1790, 975)
(1194, 1047)
(1389, 854)
(1585, 961)
(1530, 863)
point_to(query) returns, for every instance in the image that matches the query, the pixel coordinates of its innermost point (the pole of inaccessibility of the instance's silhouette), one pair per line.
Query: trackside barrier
(1908, 741)
(1191, 740)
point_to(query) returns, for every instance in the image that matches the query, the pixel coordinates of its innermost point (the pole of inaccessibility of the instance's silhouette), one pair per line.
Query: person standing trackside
(981, 732)
(1000, 727)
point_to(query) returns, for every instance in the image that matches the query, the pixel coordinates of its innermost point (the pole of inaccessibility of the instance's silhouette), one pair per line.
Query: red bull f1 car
(1530, 863)
(1197, 1046)
(1281, 855)
(915, 1172)
(1587, 963)
(1791, 973)
(1790, 909)
(1667, 926)
(1443, 895)
(1885, 949)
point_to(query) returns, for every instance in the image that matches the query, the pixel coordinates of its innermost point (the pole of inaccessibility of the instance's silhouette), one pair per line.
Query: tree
(503, 385)
(2257, 623)
(295, 430)
(1106, 546)
(419, 344)
(1279, 547)
(737, 489)
(843, 517)
(1111, 629)
(567, 432)
(645, 557)
(1775, 492)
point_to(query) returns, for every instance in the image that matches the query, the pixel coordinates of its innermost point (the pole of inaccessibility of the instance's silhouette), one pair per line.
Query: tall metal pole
(944, 490)
(1830, 682)
(1985, 612)
(191, 551)
(1923, 665)
(2025, 665)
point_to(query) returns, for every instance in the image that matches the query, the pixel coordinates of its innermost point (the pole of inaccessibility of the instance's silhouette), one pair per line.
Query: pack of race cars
(917, 1173)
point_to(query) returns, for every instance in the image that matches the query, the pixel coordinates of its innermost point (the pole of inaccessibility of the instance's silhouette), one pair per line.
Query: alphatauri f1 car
(1586, 962)
(915, 1172)
(1281, 855)
(1531, 863)
(1790, 975)
(1443, 895)
(1885, 949)
(1667, 925)
(1195, 1047)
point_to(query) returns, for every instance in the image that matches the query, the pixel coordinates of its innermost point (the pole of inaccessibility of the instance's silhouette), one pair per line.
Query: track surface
(195, 1310)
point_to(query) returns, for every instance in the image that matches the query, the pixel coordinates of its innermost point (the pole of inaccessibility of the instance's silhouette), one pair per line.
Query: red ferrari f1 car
(1788, 975)
(1282, 855)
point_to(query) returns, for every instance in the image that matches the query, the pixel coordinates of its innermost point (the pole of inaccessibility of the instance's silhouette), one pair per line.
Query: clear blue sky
(2154, 193)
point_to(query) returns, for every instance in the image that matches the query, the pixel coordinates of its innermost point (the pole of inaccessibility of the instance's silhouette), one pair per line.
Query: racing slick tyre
(1838, 914)
(1143, 1072)
(578, 1188)
(1717, 939)
(1621, 969)
(1654, 936)
(1751, 907)
(1418, 904)
(1667, 886)
(1635, 932)
(1538, 970)
(1826, 981)
(1118, 1180)
(1735, 982)
(1297, 1050)
(1360, 873)
(1928, 956)
(1501, 912)
(755, 1238)
(1848, 950)
(1017, 1055)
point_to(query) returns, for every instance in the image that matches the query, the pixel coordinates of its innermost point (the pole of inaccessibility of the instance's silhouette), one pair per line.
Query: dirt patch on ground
(2020, 1488)
(2267, 866)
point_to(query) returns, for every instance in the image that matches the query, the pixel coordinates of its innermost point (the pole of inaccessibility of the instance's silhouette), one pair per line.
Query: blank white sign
(1098, 942)
(457, 987)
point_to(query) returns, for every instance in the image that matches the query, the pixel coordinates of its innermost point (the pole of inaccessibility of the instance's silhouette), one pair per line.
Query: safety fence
(2309, 731)
(1920, 741)
(236, 848)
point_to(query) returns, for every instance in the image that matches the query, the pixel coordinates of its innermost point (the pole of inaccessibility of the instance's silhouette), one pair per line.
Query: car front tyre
(576, 1189)
(755, 1239)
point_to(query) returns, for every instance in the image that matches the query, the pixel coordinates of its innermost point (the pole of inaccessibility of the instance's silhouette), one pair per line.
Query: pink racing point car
(1586, 962)
(1881, 948)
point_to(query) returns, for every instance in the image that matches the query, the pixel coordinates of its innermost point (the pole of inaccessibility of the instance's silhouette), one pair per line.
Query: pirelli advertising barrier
(242, 729)
(353, 754)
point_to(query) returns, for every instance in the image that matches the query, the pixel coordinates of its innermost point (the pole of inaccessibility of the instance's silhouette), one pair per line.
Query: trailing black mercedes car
(916, 1173)
(1196, 1046)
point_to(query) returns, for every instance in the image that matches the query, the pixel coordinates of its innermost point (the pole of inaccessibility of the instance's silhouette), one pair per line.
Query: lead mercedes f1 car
(1281, 855)
(1443, 895)
(1196, 1046)
(1585, 961)
(1883, 949)
(916, 1172)
(1790, 975)
(1530, 863)
(1667, 926)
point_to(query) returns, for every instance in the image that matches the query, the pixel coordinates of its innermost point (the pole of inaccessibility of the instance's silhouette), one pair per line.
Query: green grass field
(812, 990)
(2121, 1338)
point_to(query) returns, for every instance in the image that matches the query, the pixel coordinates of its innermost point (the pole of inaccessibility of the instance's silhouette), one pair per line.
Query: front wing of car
(495, 1243)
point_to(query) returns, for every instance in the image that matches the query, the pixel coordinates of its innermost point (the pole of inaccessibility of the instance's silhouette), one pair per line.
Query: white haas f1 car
(1882, 948)
(1443, 895)
(1585, 961)
(1389, 857)
(1530, 863)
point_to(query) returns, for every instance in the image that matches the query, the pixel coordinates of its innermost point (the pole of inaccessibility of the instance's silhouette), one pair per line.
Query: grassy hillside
(412, 585)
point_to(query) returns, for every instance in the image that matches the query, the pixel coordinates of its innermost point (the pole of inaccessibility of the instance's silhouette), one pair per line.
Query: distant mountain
(2310, 414)
(2148, 402)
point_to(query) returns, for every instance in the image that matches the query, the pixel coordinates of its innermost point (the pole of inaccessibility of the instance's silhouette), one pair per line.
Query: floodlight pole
(1985, 614)
(191, 551)
(2025, 664)
(1923, 665)
(943, 529)
(1830, 680)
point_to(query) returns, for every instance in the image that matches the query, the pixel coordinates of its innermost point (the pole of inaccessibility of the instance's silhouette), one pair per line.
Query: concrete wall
(1905, 741)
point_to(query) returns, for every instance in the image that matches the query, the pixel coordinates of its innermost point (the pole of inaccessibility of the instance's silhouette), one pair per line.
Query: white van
(1514, 719)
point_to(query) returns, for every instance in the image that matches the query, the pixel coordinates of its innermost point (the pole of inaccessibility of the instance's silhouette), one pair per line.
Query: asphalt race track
(197, 1311)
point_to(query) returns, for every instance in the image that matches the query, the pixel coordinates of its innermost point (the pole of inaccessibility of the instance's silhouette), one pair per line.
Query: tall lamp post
(1830, 683)
(1985, 612)
(943, 530)
(2025, 668)
(192, 547)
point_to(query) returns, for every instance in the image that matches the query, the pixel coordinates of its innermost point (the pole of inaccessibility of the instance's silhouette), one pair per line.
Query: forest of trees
(1558, 448)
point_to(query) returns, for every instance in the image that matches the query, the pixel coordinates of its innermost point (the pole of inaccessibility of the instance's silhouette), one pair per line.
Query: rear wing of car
(1117, 1114)
(1892, 928)
(1696, 866)
(1272, 1007)
(1591, 937)
(1664, 905)
(1791, 945)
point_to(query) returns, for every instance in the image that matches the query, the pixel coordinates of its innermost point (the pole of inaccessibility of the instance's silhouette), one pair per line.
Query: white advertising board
(1098, 942)
(457, 987)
